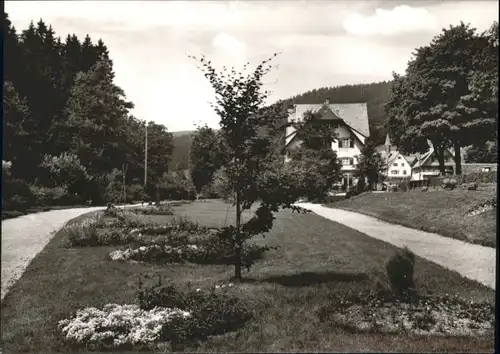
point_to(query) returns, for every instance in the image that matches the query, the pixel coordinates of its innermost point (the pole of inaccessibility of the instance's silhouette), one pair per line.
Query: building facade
(398, 166)
(351, 120)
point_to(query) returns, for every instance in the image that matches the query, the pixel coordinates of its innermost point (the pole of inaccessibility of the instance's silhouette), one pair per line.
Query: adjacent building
(398, 166)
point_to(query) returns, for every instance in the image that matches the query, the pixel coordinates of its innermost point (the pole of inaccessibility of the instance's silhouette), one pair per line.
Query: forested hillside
(374, 94)
(67, 127)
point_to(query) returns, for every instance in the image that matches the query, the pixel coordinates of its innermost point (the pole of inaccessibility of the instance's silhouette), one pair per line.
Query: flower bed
(118, 326)
(421, 316)
(162, 315)
(180, 249)
(153, 210)
(482, 207)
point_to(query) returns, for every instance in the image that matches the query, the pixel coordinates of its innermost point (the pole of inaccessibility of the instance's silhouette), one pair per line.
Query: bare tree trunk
(458, 159)
(440, 156)
(237, 253)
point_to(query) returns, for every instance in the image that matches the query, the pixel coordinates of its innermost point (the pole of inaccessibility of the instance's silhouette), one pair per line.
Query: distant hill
(374, 94)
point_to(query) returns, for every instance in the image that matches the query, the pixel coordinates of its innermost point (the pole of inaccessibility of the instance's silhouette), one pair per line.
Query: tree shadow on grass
(314, 278)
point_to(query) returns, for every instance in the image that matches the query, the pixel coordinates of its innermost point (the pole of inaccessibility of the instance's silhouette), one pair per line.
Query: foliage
(177, 186)
(370, 164)
(250, 137)
(66, 169)
(118, 326)
(449, 183)
(212, 312)
(482, 153)
(432, 101)
(154, 210)
(314, 163)
(84, 233)
(60, 100)
(400, 269)
(420, 315)
(204, 157)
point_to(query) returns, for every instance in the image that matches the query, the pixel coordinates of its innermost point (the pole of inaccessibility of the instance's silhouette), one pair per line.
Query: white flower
(140, 326)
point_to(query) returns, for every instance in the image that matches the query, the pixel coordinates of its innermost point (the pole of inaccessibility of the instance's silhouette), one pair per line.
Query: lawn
(316, 259)
(439, 211)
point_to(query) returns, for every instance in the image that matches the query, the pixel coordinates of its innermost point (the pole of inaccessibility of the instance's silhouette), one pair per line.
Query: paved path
(471, 261)
(25, 236)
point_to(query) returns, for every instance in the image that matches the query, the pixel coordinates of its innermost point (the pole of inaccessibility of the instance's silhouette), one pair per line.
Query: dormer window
(346, 143)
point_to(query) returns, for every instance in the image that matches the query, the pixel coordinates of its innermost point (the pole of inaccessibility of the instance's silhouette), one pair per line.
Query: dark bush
(209, 192)
(449, 183)
(472, 186)
(403, 186)
(156, 210)
(400, 269)
(16, 195)
(10, 214)
(212, 312)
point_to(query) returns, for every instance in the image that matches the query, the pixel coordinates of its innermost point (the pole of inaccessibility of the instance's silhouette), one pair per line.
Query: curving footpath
(25, 236)
(471, 261)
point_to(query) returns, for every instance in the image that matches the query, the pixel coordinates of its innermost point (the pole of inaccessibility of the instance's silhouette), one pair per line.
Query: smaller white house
(398, 166)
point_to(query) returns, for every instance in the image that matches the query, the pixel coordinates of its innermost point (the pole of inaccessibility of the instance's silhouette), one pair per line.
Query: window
(345, 161)
(395, 164)
(394, 172)
(346, 142)
(485, 169)
(399, 157)
(404, 172)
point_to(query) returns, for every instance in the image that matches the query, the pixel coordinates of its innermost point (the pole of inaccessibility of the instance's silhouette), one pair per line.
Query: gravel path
(471, 261)
(24, 237)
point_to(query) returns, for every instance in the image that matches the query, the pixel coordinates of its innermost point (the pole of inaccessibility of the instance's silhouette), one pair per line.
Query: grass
(316, 259)
(439, 211)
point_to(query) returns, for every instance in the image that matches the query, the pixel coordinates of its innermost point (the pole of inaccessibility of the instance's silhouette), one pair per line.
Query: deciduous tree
(251, 169)
(370, 165)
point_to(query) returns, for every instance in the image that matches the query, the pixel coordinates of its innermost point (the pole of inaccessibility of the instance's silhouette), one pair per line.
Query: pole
(124, 190)
(146, 155)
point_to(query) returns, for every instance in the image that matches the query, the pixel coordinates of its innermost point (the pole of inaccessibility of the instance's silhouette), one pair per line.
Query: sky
(322, 43)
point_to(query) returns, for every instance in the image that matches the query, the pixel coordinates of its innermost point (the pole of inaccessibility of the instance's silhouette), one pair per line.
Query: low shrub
(179, 248)
(83, 234)
(477, 177)
(119, 326)
(351, 193)
(208, 192)
(10, 214)
(472, 186)
(449, 183)
(156, 210)
(211, 311)
(403, 186)
(111, 211)
(16, 195)
(400, 270)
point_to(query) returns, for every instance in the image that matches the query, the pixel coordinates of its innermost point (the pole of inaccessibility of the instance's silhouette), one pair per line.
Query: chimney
(327, 101)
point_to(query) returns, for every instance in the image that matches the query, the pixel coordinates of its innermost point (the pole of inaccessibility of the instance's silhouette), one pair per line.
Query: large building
(352, 129)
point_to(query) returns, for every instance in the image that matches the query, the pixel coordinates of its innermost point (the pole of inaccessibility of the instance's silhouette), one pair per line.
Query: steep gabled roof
(355, 115)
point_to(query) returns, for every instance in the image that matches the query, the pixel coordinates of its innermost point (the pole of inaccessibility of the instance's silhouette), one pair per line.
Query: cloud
(323, 43)
(400, 20)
